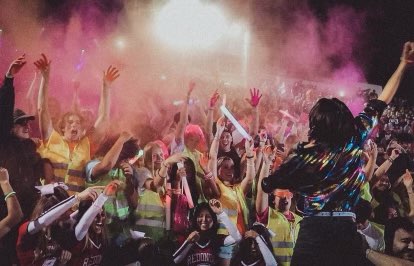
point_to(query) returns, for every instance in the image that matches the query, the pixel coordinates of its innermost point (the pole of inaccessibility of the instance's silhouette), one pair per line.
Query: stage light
(120, 43)
(190, 24)
(341, 93)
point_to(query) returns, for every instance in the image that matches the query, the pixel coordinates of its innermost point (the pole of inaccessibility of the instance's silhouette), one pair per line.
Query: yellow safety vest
(68, 166)
(286, 234)
(150, 215)
(230, 198)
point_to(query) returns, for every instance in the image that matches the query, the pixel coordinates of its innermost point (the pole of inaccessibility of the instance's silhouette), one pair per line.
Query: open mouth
(74, 132)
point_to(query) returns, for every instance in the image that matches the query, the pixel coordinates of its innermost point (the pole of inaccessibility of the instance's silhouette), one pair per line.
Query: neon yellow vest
(150, 215)
(366, 192)
(286, 234)
(230, 197)
(68, 167)
(115, 206)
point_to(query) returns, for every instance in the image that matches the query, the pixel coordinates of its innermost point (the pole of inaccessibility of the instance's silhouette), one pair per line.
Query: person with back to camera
(327, 173)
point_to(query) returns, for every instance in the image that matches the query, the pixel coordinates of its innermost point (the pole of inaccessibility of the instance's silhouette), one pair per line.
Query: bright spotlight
(120, 43)
(341, 93)
(189, 24)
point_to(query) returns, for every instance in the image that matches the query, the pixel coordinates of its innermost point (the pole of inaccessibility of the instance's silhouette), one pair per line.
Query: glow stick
(168, 208)
(233, 120)
(186, 187)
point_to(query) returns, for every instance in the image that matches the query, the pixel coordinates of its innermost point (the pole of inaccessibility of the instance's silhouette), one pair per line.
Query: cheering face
(283, 200)
(98, 223)
(21, 129)
(73, 130)
(226, 171)
(204, 220)
(403, 244)
(157, 157)
(383, 183)
(225, 140)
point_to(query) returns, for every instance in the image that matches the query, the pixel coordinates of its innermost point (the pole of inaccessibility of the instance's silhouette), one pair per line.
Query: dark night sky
(389, 24)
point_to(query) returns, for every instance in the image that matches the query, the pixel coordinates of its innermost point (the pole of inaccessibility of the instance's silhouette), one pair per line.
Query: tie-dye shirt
(329, 179)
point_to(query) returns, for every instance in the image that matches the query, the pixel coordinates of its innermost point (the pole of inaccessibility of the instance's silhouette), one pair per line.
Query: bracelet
(163, 177)
(165, 165)
(249, 157)
(12, 193)
(391, 160)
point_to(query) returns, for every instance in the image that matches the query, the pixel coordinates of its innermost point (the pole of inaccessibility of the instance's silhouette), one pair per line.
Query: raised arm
(261, 197)
(383, 168)
(48, 217)
(372, 158)
(162, 173)
(254, 103)
(407, 58)
(247, 182)
(101, 122)
(7, 98)
(85, 222)
(179, 131)
(75, 101)
(111, 157)
(14, 212)
(408, 183)
(234, 234)
(45, 123)
(210, 116)
(31, 97)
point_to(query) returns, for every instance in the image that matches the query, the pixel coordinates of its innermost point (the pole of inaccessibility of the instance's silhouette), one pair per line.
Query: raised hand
(112, 187)
(193, 237)
(43, 64)
(88, 193)
(175, 158)
(16, 65)
(111, 74)
(408, 180)
(249, 146)
(191, 87)
(254, 97)
(220, 126)
(268, 154)
(203, 162)
(408, 53)
(214, 99)
(216, 206)
(4, 175)
(126, 168)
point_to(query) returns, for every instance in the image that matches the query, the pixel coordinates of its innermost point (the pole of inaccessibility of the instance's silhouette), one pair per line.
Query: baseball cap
(18, 114)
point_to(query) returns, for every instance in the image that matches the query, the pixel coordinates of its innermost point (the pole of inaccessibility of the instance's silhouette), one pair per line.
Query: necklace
(95, 245)
(254, 263)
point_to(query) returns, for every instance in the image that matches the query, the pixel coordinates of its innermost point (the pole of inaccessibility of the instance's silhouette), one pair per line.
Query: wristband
(10, 194)
(163, 177)
(249, 157)
(391, 160)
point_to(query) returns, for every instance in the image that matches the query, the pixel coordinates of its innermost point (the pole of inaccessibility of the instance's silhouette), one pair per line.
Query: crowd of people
(289, 182)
